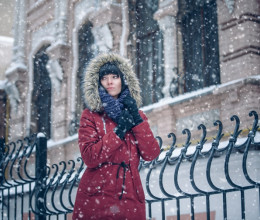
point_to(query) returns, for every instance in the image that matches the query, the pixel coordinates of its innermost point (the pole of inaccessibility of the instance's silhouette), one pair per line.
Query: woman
(113, 135)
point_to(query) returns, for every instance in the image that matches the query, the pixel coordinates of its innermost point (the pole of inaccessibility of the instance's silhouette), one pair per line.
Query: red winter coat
(110, 187)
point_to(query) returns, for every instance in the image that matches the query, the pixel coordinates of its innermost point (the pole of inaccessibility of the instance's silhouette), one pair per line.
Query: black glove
(130, 105)
(125, 123)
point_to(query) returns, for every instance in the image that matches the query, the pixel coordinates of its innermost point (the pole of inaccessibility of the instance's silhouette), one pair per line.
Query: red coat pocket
(94, 184)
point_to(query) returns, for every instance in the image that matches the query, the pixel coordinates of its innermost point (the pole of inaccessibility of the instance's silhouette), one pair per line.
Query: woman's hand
(130, 105)
(125, 123)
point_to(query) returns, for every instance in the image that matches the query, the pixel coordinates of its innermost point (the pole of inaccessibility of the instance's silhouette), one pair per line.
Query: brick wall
(219, 104)
(239, 34)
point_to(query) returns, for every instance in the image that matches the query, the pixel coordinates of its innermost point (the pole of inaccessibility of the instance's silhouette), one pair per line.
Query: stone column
(125, 28)
(59, 50)
(61, 21)
(58, 67)
(167, 25)
(21, 34)
(166, 17)
(18, 66)
(16, 73)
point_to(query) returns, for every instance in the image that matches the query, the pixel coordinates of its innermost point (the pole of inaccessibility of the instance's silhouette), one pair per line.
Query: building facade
(6, 43)
(197, 62)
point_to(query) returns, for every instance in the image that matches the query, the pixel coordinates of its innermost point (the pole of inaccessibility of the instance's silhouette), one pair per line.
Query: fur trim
(91, 80)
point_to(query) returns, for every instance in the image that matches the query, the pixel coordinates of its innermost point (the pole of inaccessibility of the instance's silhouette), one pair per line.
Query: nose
(109, 80)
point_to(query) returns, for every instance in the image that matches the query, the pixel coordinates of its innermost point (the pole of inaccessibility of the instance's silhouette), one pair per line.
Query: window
(41, 95)
(200, 44)
(149, 52)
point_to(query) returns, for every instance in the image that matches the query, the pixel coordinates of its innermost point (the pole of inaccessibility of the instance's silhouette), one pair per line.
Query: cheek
(119, 85)
(102, 83)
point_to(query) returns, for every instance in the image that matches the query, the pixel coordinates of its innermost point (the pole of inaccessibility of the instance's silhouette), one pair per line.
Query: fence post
(40, 168)
(2, 141)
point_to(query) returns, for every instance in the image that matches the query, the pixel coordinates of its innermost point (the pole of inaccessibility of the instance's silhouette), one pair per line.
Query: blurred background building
(6, 45)
(197, 62)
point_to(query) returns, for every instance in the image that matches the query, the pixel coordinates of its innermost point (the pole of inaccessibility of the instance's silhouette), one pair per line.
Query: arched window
(200, 43)
(41, 95)
(85, 49)
(149, 52)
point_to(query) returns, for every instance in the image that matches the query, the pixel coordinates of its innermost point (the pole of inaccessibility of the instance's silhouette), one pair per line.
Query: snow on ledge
(2, 84)
(4, 39)
(66, 140)
(197, 93)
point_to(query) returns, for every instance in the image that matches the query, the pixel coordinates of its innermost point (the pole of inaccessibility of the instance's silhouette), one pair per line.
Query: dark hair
(108, 68)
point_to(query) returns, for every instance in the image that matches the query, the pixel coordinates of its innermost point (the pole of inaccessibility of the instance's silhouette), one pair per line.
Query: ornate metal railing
(213, 152)
(30, 188)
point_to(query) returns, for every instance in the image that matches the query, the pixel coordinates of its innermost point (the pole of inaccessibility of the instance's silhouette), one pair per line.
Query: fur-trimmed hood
(91, 80)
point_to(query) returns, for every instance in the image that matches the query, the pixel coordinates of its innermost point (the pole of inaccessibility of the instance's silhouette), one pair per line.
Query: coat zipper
(104, 125)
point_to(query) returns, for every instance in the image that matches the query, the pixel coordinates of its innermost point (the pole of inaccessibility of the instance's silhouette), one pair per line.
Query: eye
(103, 78)
(115, 76)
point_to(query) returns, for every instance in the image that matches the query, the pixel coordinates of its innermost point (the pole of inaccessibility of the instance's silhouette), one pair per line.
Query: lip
(110, 88)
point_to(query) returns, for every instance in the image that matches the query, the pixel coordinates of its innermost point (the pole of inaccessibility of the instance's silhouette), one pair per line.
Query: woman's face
(112, 84)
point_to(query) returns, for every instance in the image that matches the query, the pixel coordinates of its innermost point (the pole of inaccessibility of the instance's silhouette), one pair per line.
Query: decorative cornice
(170, 9)
(13, 94)
(40, 16)
(251, 49)
(167, 23)
(104, 15)
(58, 51)
(242, 18)
(61, 20)
(14, 69)
(35, 6)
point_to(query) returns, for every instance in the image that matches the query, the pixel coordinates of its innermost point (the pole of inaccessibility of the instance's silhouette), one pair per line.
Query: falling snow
(198, 66)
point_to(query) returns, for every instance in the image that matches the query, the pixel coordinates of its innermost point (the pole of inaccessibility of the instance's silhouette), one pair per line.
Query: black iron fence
(32, 189)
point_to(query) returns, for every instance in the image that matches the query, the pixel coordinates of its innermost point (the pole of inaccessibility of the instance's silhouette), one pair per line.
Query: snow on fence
(218, 180)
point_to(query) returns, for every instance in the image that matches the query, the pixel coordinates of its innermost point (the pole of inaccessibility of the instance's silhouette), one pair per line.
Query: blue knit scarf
(113, 107)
